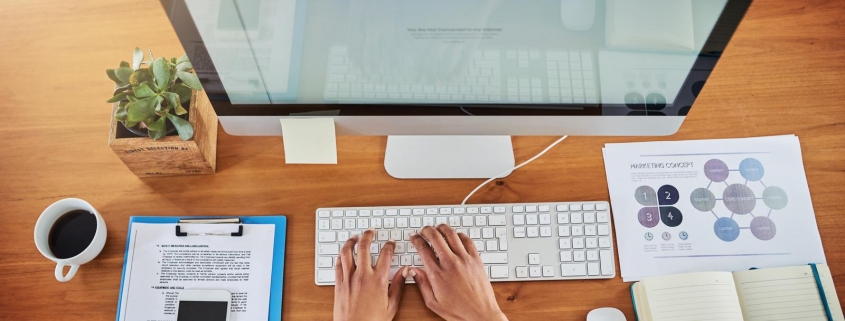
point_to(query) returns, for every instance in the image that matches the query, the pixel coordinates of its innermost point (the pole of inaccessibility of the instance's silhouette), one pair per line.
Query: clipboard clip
(238, 221)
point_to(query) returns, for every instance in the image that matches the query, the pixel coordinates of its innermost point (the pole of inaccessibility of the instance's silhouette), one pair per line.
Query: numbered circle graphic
(649, 216)
(751, 169)
(667, 195)
(726, 229)
(646, 196)
(739, 199)
(716, 170)
(774, 197)
(671, 216)
(763, 228)
(703, 199)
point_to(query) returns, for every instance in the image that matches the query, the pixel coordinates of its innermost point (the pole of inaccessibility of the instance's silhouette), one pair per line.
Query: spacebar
(494, 258)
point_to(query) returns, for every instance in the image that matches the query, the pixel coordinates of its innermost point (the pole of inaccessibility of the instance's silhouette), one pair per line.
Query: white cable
(513, 169)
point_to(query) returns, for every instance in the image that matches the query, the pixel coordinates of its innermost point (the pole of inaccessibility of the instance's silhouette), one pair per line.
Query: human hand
(454, 283)
(361, 290)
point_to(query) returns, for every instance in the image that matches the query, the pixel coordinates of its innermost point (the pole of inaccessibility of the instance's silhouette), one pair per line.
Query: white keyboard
(517, 242)
(491, 76)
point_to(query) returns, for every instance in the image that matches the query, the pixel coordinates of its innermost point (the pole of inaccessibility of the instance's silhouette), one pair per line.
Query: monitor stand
(431, 157)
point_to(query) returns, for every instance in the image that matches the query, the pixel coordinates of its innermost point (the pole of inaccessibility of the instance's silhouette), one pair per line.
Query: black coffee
(72, 233)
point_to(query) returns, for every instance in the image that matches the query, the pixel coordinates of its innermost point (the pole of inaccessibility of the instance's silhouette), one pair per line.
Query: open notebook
(789, 293)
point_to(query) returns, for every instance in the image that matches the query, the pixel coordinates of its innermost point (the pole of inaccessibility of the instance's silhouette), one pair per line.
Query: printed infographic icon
(740, 199)
(658, 206)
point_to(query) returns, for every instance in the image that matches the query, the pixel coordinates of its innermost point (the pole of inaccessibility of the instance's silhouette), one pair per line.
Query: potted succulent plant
(152, 100)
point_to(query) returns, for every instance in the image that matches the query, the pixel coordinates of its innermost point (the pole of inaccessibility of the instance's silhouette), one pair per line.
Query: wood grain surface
(784, 73)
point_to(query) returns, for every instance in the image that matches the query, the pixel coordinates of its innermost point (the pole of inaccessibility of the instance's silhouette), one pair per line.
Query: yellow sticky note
(309, 140)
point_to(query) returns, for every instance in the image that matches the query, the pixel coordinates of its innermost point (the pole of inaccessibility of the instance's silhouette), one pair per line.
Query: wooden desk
(784, 73)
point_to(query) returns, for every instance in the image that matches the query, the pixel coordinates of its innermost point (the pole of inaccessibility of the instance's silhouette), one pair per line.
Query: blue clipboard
(278, 271)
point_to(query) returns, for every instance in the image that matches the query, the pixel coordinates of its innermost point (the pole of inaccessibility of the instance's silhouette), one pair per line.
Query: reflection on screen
(547, 52)
(202, 311)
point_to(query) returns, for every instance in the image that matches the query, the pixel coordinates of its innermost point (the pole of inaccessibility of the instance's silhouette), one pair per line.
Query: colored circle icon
(751, 169)
(703, 199)
(671, 216)
(716, 170)
(648, 217)
(683, 235)
(763, 228)
(726, 229)
(666, 236)
(667, 195)
(739, 199)
(774, 197)
(646, 196)
(648, 236)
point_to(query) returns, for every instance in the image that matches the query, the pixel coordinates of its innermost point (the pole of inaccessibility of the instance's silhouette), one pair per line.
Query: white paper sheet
(160, 265)
(711, 205)
(309, 140)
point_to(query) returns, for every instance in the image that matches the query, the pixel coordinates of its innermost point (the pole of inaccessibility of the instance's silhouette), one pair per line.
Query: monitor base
(445, 157)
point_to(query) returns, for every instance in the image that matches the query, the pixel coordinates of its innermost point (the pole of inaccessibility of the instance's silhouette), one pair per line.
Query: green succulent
(153, 95)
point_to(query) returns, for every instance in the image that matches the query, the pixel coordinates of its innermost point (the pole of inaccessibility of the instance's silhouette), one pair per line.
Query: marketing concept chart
(728, 205)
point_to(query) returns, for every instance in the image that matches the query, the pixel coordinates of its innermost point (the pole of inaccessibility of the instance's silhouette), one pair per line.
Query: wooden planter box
(170, 155)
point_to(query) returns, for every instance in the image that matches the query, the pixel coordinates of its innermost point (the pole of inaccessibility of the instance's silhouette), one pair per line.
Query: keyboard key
(562, 208)
(405, 211)
(326, 237)
(375, 222)
(486, 210)
(563, 231)
(410, 248)
(534, 271)
(378, 212)
(328, 249)
(487, 233)
(548, 271)
(416, 222)
(498, 271)
(593, 268)
(591, 243)
(496, 220)
(604, 242)
(337, 213)
(606, 258)
(601, 207)
(342, 236)
(590, 230)
(566, 256)
(374, 247)
(563, 218)
(503, 244)
(406, 259)
(578, 230)
(545, 231)
(531, 209)
(602, 217)
(576, 218)
(337, 224)
(574, 207)
(418, 211)
(458, 210)
(392, 212)
(589, 207)
(533, 231)
(545, 219)
(431, 211)
(481, 220)
(406, 234)
(351, 213)
(428, 221)
(363, 224)
(519, 219)
(475, 233)
(417, 260)
(501, 232)
(544, 208)
(517, 209)
(479, 245)
(522, 271)
(325, 276)
(445, 210)
(564, 244)
(382, 235)
(325, 262)
(394, 261)
(441, 220)
(454, 221)
(464, 231)
(467, 220)
(389, 222)
(531, 219)
(364, 213)
(590, 217)
(519, 232)
(401, 222)
(578, 256)
(323, 224)
(494, 258)
(400, 248)
(592, 255)
(323, 214)
(492, 245)
(533, 258)
(472, 210)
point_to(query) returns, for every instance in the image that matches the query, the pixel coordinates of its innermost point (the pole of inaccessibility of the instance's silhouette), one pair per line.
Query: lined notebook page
(788, 293)
(693, 297)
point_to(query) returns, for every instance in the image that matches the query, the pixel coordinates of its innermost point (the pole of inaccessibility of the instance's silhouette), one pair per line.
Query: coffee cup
(70, 232)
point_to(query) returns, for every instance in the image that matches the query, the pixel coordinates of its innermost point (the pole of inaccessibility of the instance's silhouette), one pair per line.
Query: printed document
(160, 265)
(711, 205)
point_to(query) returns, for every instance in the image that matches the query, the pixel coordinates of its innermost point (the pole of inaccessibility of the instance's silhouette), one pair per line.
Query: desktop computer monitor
(447, 67)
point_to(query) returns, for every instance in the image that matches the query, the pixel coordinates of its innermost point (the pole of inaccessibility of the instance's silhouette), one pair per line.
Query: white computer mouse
(578, 15)
(606, 314)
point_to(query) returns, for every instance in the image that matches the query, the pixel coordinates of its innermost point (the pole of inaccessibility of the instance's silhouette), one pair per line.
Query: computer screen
(446, 57)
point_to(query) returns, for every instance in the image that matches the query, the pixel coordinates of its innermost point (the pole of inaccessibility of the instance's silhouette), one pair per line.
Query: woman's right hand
(454, 283)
